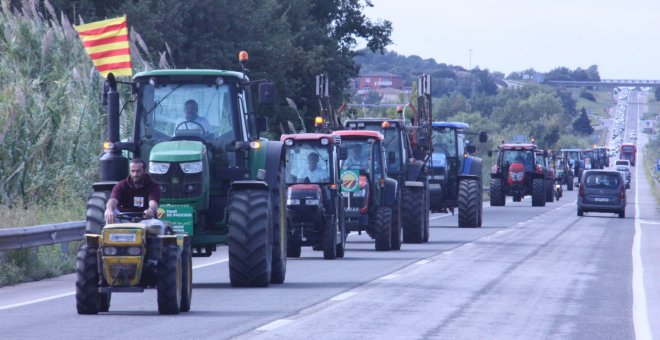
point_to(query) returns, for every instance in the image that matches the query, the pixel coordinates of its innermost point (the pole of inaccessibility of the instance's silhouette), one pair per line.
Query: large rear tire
(496, 193)
(169, 281)
(469, 204)
(186, 276)
(413, 215)
(396, 226)
(341, 245)
(280, 229)
(382, 229)
(538, 192)
(427, 213)
(549, 192)
(250, 238)
(569, 185)
(95, 213)
(88, 298)
(293, 249)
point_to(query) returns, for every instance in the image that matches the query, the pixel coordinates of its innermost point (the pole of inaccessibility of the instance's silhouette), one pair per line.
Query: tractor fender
(249, 184)
(274, 158)
(390, 192)
(471, 166)
(414, 170)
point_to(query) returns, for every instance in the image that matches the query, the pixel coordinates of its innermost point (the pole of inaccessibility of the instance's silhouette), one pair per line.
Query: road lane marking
(274, 325)
(343, 296)
(53, 297)
(37, 301)
(441, 216)
(640, 313)
(649, 222)
(421, 262)
(390, 277)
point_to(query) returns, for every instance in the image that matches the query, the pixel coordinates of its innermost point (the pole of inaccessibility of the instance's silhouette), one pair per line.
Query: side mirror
(261, 123)
(471, 149)
(342, 153)
(266, 93)
(490, 153)
(483, 137)
(391, 157)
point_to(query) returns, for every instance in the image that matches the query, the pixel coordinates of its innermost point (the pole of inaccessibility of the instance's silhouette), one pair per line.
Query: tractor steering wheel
(133, 217)
(186, 122)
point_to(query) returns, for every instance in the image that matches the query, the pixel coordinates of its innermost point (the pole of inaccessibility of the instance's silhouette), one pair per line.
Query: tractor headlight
(312, 202)
(292, 201)
(192, 167)
(110, 251)
(134, 251)
(158, 168)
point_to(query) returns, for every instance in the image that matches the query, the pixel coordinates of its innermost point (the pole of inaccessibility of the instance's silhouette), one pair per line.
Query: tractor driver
(136, 193)
(190, 108)
(355, 159)
(313, 172)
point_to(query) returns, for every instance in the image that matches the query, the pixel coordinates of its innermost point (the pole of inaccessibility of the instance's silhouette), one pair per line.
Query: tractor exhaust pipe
(113, 165)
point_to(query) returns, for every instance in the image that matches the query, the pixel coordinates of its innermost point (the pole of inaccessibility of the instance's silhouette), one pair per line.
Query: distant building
(379, 80)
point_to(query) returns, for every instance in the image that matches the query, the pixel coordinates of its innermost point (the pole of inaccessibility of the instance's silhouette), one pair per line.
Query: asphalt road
(528, 273)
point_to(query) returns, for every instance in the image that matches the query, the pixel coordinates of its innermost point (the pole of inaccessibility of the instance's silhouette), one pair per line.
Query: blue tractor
(455, 179)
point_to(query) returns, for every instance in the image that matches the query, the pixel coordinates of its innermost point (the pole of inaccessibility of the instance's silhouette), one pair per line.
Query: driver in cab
(313, 172)
(193, 120)
(355, 159)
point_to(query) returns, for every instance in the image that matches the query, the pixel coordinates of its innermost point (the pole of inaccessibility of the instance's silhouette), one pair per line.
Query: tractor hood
(438, 160)
(177, 151)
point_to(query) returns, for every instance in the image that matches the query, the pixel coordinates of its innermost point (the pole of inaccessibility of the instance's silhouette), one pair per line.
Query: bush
(33, 264)
(588, 96)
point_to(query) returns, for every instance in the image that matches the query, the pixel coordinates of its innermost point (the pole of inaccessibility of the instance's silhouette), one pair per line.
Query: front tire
(413, 215)
(549, 192)
(496, 193)
(169, 285)
(469, 204)
(622, 214)
(186, 276)
(538, 192)
(396, 226)
(250, 238)
(382, 229)
(88, 299)
(95, 213)
(330, 239)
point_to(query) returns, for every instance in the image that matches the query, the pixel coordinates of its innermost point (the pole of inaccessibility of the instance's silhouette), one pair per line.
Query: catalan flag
(106, 42)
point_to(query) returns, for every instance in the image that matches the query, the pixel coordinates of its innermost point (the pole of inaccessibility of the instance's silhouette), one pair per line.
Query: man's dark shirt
(132, 199)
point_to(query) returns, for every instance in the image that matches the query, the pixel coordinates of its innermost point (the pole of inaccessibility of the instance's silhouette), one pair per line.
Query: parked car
(602, 191)
(622, 162)
(625, 171)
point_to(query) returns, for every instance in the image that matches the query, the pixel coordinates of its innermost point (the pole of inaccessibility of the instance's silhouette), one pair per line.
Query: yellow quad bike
(130, 256)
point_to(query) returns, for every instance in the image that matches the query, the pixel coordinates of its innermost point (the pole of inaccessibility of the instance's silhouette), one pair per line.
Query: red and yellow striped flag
(106, 42)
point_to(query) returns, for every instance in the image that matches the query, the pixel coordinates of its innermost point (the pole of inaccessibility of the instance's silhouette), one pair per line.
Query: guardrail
(41, 235)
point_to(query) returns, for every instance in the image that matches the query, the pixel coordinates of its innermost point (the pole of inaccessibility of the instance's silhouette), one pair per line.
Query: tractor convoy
(221, 183)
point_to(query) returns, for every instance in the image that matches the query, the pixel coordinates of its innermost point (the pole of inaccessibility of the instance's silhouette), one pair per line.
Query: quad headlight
(292, 201)
(158, 167)
(192, 167)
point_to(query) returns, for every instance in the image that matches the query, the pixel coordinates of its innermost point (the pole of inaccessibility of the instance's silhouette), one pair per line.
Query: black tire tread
(468, 203)
(168, 284)
(382, 227)
(497, 198)
(413, 215)
(87, 278)
(538, 192)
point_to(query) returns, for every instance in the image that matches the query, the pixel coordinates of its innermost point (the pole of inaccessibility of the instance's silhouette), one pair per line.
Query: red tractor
(314, 208)
(544, 161)
(517, 174)
(369, 195)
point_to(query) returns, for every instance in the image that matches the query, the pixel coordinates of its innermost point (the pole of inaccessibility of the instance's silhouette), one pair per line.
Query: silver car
(625, 171)
(602, 191)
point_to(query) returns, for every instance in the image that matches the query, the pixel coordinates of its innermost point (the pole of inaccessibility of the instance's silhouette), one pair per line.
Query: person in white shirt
(313, 172)
(355, 159)
(190, 107)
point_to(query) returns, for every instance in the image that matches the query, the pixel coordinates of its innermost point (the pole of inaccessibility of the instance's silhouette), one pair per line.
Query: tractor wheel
(382, 227)
(496, 193)
(250, 238)
(622, 213)
(88, 298)
(186, 276)
(427, 213)
(517, 198)
(413, 215)
(168, 282)
(341, 245)
(580, 212)
(569, 185)
(396, 226)
(549, 192)
(538, 192)
(330, 239)
(293, 249)
(280, 228)
(468, 204)
(95, 214)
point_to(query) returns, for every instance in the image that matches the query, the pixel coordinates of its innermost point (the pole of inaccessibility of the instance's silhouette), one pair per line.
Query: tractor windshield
(189, 109)
(444, 141)
(359, 155)
(307, 163)
(518, 156)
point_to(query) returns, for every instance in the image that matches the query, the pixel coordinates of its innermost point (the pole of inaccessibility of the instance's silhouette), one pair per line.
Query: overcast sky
(622, 37)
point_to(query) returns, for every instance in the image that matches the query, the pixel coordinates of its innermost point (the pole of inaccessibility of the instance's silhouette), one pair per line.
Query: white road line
(390, 277)
(421, 262)
(343, 296)
(275, 325)
(37, 301)
(53, 297)
(441, 216)
(640, 313)
(649, 222)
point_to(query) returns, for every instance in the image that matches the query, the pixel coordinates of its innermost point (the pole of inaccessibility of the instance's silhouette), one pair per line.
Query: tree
(582, 125)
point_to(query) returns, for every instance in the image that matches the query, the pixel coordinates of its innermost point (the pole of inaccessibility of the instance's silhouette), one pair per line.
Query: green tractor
(220, 182)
